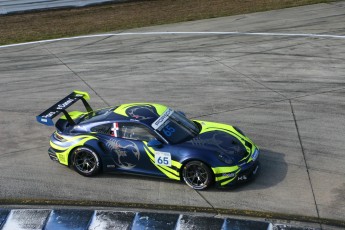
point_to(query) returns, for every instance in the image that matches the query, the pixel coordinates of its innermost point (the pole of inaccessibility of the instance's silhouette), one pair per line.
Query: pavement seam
(304, 158)
(88, 44)
(268, 50)
(252, 79)
(78, 76)
(271, 102)
(18, 111)
(21, 150)
(215, 210)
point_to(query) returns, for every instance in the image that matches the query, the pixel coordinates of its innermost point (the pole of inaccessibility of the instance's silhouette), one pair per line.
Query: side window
(103, 129)
(134, 132)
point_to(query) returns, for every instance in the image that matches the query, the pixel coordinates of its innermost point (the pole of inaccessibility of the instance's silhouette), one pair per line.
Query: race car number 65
(163, 158)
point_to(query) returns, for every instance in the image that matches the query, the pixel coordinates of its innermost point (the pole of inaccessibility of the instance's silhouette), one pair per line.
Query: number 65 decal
(168, 130)
(162, 158)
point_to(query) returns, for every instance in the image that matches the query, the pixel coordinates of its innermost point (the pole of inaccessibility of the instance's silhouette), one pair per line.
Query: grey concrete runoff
(285, 92)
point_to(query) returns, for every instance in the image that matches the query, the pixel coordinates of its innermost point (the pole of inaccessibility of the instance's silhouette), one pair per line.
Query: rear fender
(94, 145)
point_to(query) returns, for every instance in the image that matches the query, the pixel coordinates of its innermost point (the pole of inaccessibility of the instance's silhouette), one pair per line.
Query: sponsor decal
(244, 177)
(110, 166)
(160, 121)
(44, 120)
(65, 104)
(229, 174)
(49, 115)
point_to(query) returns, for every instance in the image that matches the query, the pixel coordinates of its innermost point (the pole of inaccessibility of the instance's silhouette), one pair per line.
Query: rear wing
(47, 116)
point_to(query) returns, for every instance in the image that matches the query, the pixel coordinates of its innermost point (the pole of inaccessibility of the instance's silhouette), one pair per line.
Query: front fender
(221, 170)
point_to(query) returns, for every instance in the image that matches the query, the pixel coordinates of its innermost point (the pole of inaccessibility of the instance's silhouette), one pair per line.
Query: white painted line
(182, 33)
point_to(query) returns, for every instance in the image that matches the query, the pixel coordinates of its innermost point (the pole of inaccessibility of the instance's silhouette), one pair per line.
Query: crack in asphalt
(18, 111)
(268, 103)
(267, 50)
(88, 44)
(78, 76)
(304, 158)
(252, 79)
(21, 150)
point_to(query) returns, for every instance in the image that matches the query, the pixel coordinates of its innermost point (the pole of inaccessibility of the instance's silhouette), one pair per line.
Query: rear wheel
(85, 161)
(197, 175)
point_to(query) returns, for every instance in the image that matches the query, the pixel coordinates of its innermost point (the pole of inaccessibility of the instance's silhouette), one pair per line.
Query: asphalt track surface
(285, 92)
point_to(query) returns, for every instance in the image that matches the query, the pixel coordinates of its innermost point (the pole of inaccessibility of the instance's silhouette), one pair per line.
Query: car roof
(145, 113)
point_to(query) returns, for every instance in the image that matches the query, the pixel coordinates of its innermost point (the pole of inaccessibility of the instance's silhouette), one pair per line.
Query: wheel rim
(85, 161)
(196, 176)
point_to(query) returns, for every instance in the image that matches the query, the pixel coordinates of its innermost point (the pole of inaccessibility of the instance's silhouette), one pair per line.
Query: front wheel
(85, 161)
(197, 175)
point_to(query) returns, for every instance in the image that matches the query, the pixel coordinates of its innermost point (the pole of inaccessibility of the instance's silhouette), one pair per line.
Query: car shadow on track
(117, 175)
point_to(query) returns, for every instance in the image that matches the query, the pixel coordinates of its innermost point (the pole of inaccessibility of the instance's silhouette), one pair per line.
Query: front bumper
(246, 173)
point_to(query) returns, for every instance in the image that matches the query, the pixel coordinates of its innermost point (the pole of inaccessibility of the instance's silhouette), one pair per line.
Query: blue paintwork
(3, 216)
(45, 121)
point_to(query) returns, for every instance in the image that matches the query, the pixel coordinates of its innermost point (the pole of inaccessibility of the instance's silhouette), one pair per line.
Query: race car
(149, 139)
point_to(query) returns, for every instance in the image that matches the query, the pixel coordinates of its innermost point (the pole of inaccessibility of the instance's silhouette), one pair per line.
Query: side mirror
(155, 143)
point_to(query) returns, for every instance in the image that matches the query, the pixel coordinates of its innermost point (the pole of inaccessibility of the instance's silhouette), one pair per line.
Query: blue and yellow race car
(149, 139)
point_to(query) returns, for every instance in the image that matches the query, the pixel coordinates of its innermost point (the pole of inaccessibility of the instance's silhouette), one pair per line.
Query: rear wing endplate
(47, 116)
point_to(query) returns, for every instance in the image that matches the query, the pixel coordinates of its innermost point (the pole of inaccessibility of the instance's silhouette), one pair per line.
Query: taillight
(59, 137)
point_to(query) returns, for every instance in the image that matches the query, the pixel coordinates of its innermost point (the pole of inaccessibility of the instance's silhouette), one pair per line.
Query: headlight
(225, 158)
(255, 154)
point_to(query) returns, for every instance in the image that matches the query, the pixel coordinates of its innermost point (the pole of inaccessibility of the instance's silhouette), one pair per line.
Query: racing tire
(85, 162)
(197, 175)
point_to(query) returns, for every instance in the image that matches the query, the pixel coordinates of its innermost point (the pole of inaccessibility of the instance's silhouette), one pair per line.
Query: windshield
(175, 127)
(97, 115)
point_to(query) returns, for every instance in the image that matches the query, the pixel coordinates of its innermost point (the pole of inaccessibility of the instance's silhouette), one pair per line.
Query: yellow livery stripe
(169, 172)
(219, 170)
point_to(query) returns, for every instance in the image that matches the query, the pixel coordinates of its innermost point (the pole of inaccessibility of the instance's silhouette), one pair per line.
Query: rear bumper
(52, 155)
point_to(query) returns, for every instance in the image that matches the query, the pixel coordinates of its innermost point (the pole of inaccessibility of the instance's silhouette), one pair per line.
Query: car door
(129, 150)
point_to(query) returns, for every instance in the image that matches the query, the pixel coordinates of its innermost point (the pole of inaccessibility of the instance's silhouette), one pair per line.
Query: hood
(222, 139)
